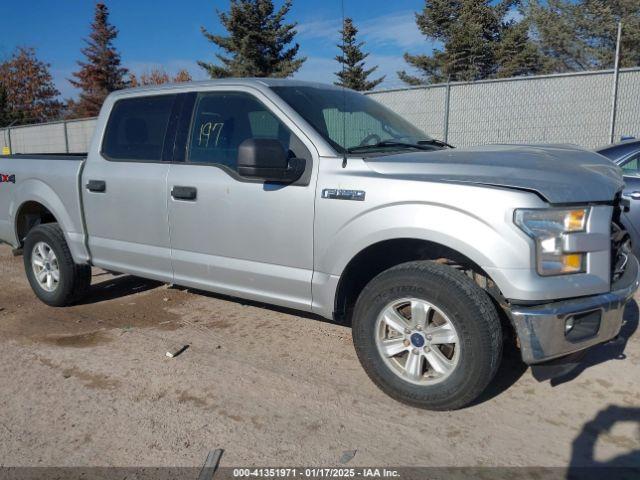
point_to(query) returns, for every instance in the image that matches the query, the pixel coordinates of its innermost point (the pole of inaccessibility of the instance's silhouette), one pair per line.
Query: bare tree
(28, 92)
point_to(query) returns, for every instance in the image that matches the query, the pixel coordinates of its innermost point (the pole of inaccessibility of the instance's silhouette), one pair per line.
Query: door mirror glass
(266, 159)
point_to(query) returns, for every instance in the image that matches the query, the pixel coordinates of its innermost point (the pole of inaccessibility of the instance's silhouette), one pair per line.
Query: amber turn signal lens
(573, 262)
(574, 220)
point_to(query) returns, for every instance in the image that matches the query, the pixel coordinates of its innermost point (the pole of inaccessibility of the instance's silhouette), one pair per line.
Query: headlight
(547, 227)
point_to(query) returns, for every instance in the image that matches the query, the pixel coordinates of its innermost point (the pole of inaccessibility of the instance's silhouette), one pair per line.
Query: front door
(230, 235)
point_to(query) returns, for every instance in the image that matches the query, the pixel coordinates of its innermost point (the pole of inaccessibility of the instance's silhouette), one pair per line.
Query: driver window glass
(360, 128)
(222, 121)
(631, 166)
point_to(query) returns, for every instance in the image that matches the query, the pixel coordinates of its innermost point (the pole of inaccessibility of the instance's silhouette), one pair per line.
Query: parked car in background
(626, 155)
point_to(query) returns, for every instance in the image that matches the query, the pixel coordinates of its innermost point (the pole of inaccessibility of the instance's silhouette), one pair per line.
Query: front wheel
(427, 335)
(52, 274)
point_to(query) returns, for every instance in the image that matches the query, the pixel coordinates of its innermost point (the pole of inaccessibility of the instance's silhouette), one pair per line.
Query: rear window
(137, 127)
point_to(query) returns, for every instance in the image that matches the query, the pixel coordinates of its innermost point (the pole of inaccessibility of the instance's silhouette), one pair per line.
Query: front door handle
(184, 193)
(98, 186)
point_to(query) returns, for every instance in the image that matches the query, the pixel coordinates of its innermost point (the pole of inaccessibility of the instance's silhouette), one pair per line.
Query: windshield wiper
(390, 143)
(437, 143)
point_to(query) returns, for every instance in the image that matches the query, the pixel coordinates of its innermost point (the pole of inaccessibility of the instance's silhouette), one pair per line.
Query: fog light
(582, 326)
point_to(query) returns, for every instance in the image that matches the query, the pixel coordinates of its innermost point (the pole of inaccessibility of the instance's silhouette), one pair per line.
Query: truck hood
(558, 173)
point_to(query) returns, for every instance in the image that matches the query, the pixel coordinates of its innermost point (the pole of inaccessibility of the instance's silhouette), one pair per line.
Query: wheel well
(31, 214)
(381, 256)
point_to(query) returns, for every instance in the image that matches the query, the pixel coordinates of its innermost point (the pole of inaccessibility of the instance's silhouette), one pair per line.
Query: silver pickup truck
(320, 199)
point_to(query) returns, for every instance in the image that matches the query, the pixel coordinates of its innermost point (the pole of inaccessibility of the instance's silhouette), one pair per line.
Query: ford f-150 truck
(320, 199)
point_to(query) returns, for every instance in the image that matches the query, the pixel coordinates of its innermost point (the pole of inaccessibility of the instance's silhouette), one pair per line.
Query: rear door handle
(98, 186)
(184, 193)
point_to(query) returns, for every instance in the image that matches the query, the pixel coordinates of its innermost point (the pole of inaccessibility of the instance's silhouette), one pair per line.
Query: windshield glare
(347, 119)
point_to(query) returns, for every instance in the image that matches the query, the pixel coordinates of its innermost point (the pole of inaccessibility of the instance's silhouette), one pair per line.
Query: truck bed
(45, 156)
(51, 180)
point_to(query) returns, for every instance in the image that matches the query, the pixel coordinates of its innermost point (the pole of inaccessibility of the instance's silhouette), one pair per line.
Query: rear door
(251, 239)
(124, 189)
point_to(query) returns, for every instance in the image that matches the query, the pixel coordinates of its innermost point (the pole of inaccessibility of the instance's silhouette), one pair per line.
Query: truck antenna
(344, 97)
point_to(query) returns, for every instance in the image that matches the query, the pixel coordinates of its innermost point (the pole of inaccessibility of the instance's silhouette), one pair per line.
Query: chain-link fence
(68, 136)
(567, 108)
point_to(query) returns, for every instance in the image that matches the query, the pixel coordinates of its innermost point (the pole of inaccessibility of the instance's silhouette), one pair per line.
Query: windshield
(350, 121)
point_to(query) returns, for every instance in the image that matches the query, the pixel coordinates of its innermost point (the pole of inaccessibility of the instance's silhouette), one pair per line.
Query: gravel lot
(91, 385)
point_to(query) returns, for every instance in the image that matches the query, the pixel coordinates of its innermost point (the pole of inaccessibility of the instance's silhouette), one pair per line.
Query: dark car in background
(626, 155)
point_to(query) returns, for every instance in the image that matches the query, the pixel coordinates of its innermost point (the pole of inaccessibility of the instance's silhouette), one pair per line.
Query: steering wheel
(368, 138)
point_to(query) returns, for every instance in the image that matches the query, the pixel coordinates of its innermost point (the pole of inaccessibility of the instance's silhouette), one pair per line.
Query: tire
(458, 310)
(73, 280)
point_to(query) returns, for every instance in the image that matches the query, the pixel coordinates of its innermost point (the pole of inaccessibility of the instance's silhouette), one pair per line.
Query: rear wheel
(427, 335)
(52, 274)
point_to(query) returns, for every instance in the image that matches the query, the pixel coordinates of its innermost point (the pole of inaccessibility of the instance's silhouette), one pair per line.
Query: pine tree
(471, 32)
(28, 90)
(353, 74)
(102, 73)
(258, 41)
(582, 35)
(516, 54)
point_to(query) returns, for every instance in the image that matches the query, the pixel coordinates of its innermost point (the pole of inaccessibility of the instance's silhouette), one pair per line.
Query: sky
(166, 33)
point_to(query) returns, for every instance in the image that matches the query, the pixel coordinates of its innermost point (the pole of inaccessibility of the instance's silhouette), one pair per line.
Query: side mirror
(266, 159)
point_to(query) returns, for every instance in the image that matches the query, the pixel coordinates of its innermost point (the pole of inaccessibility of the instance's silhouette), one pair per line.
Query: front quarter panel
(475, 221)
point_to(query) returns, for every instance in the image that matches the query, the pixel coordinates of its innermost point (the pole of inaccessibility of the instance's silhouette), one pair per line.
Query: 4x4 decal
(7, 178)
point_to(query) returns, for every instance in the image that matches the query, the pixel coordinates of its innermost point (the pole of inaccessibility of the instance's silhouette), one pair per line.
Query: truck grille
(620, 245)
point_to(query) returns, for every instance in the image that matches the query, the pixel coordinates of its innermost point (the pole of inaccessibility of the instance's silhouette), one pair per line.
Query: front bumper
(541, 329)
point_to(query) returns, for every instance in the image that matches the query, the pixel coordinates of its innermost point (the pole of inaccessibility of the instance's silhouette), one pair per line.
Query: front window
(223, 120)
(352, 122)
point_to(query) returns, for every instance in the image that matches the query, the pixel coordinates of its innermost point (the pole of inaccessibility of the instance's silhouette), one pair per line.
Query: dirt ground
(91, 385)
